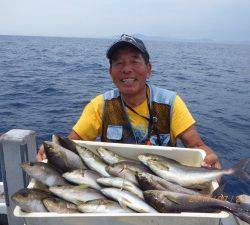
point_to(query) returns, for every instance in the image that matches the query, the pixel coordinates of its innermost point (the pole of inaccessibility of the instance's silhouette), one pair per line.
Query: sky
(220, 20)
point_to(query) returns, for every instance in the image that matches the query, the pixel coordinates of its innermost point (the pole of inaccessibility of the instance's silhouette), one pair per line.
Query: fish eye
(32, 164)
(24, 193)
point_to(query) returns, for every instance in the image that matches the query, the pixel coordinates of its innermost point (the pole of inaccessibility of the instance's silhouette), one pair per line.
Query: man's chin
(128, 91)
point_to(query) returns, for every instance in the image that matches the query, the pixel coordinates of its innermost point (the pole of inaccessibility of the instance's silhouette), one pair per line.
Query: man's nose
(126, 68)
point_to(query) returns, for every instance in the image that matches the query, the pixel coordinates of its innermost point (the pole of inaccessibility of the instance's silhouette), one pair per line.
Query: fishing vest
(116, 126)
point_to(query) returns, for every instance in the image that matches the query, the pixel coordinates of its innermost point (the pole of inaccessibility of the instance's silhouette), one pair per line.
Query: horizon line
(145, 37)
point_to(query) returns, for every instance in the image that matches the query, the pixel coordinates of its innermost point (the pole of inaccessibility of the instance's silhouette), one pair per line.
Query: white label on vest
(114, 132)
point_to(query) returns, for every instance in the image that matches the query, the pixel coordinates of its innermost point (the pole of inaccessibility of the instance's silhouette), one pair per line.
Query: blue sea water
(45, 83)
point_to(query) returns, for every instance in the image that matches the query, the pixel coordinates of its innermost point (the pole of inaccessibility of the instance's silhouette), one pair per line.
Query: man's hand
(211, 160)
(40, 156)
(191, 139)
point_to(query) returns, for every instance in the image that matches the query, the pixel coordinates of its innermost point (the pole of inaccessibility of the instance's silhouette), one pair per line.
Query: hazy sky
(213, 19)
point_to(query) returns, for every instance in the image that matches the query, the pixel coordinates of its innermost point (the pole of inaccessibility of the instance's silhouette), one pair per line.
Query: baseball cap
(130, 41)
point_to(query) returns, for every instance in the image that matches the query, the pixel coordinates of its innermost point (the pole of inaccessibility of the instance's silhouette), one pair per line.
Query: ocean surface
(45, 83)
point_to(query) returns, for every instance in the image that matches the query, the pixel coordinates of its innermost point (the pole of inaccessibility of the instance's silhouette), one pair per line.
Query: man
(137, 112)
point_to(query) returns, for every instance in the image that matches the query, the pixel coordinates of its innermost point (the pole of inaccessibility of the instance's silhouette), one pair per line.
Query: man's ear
(149, 69)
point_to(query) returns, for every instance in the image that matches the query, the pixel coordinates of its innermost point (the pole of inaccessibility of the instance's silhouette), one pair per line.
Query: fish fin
(78, 202)
(160, 164)
(124, 206)
(81, 186)
(197, 187)
(175, 200)
(239, 170)
(64, 157)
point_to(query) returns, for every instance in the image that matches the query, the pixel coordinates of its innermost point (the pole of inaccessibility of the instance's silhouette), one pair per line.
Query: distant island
(143, 37)
(196, 40)
(160, 38)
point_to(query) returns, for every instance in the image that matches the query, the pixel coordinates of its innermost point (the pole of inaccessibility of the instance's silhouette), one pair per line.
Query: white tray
(192, 157)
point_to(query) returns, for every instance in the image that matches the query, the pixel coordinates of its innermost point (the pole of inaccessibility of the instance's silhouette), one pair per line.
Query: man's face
(129, 71)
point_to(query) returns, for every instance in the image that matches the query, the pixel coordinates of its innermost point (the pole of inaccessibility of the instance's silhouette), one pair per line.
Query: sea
(45, 82)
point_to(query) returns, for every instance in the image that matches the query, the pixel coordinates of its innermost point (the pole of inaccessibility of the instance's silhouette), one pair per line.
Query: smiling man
(137, 112)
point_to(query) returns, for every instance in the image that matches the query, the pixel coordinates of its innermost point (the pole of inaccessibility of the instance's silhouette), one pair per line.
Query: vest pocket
(165, 139)
(114, 132)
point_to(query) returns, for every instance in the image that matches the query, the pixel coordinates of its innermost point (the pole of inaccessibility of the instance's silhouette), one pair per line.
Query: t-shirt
(89, 125)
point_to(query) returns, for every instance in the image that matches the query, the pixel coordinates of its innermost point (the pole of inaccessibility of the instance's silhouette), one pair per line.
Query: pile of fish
(78, 180)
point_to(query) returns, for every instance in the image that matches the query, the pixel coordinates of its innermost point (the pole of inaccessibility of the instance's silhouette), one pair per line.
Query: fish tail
(219, 190)
(241, 212)
(239, 170)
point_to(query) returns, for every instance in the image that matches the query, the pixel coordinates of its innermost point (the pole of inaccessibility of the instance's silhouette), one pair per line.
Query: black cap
(130, 41)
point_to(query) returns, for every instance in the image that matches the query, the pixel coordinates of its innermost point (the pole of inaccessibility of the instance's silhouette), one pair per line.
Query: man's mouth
(128, 80)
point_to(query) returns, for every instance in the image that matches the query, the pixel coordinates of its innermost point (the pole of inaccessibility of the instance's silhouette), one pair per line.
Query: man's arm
(40, 156)
(191, 139)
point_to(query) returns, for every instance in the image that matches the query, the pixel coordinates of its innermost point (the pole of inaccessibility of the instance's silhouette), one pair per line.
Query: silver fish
(198, 203)
(92, 160)
(151, 182)
(58, 205)
(125, 198)
(122, 184)
(102, 206)
(87, 177)
(64, 142)
(121, 170)
(75, 194)
(111, 157)
(186, 176)
(30, 200)
(63, 159)
(127, 170)
(44, 173)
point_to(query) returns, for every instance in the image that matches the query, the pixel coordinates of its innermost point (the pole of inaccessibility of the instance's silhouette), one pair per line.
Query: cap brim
(118, 45)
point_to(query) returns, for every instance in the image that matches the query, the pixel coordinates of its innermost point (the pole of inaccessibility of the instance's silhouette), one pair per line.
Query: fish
(30, 200)
(122, 184)
(44, 173)
(111, 157)
(134, 166)
(151, 182)
(92, 160)
(127, 199)
(243, 199)
(58, 205)
(62, 158)
(127, 170)
(147, 182)
(121, 170)
(64, 142)
(75, 194)
(198, 203)
(158, 201)
(102, 206)
(80, 176)
(188, 176)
